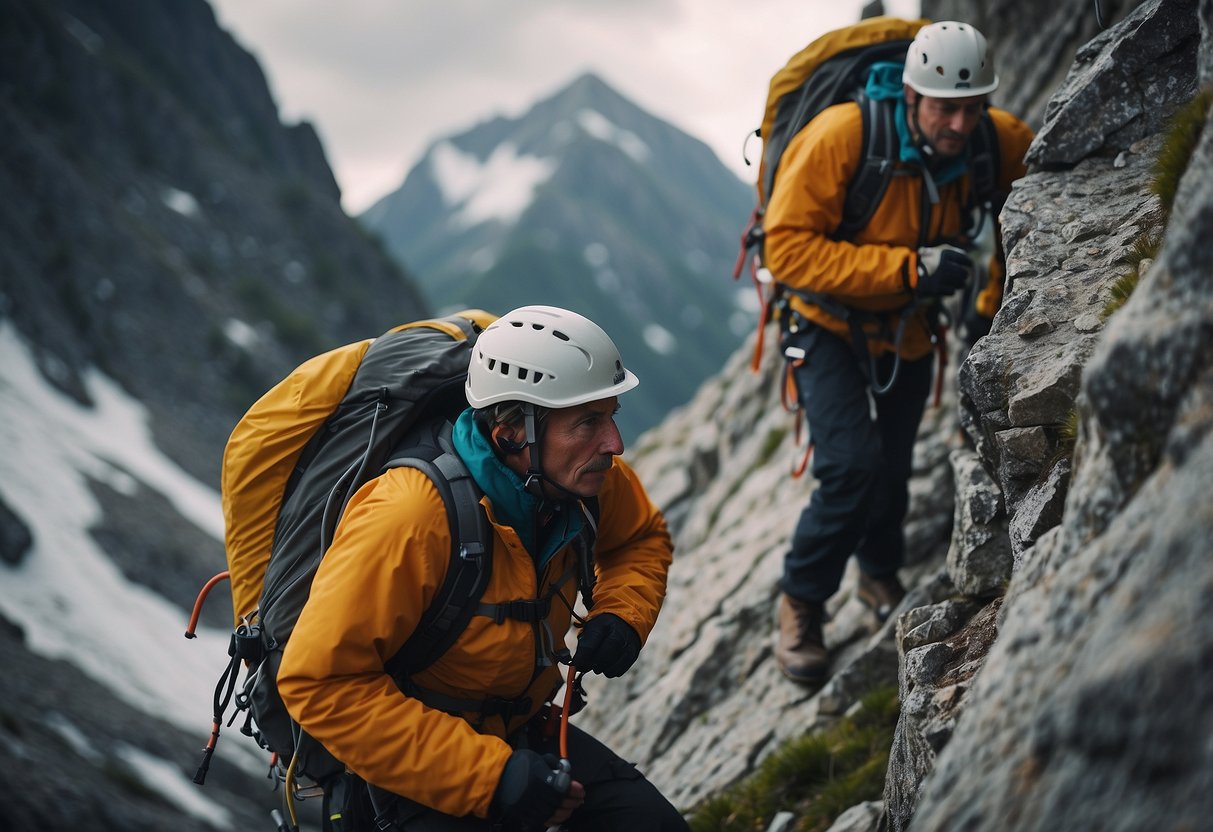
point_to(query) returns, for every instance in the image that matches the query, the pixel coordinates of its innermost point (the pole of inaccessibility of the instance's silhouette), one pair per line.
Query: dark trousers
(618, 798)
(862, 463)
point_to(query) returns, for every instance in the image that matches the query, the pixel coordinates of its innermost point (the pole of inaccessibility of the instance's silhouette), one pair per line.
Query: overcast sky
(382, 79)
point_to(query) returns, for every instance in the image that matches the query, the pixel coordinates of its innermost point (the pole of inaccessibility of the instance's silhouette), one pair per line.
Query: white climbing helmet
(949, 59)
(546, 356)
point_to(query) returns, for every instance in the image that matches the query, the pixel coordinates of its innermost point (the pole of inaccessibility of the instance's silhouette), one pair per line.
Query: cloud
(382, 80)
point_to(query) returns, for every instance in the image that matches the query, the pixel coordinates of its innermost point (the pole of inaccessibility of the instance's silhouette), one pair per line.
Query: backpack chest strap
(530, 610)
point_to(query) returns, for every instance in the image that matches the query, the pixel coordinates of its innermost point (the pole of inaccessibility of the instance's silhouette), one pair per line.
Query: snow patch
(69, 598)
(72, 735)
(240, 333)
(166, 779)
(596, 254)
(90, 40)
(180, 201)
(499, 188)
(608, 280)
(660, 339)
(603, 129)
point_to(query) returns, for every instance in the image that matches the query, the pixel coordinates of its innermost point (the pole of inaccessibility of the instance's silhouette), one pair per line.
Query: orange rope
(764, 315)
(193, 625)
(564, 714)
(941, 347)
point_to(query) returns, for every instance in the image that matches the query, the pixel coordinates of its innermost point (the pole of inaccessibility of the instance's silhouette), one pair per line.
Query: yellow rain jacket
(871, 271)
(388, 558)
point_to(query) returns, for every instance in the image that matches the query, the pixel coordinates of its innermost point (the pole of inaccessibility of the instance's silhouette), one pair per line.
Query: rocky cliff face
(161, 223)
(1051, 652)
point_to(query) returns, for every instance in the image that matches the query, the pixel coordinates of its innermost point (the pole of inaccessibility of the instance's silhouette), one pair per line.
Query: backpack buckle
(471, 551)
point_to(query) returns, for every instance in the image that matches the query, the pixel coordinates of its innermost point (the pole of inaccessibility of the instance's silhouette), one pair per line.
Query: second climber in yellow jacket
(464, 747)
(861, 308)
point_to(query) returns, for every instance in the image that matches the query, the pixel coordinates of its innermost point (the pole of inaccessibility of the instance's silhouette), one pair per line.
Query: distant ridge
(585, 201)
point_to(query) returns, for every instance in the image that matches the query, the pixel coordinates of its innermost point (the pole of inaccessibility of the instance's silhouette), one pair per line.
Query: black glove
(530, 790)
(942, 270)
(607, 645)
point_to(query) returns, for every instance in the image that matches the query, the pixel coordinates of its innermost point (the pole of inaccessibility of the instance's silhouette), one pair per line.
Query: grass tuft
(817, 776)
(1183, 134)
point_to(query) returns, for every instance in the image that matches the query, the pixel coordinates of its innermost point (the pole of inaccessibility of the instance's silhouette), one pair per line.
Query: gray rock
(1121, 83)
(979, 558)
(1039, 510)
(864, 817)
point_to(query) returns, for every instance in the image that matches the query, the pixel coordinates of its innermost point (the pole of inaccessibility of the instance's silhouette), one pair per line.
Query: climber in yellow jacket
(464, 747)
(862, 309)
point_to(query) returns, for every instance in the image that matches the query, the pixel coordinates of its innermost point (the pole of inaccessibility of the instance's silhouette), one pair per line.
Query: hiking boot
(881, 595)
(801, 651)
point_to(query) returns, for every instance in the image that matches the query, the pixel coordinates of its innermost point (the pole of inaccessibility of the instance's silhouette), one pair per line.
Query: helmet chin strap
(534, 472)
(920, 140)
(535, 478)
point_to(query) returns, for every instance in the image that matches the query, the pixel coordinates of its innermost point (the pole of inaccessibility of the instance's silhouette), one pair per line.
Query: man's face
(579, 444)
(945, 123)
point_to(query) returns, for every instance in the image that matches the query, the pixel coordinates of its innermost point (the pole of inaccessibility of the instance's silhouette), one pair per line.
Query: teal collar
(884, 84)
(513, 505)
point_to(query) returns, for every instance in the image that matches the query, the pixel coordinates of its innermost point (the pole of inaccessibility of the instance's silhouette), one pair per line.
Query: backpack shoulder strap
(985, 162)
(867, 187)
(467, 576)
(583, 547)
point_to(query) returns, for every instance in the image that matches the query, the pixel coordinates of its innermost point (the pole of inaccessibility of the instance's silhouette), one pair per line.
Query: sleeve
(633, 552)
(807, 206)
(387, 560)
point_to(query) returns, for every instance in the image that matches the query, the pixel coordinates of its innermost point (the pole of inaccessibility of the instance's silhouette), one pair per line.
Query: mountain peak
(588, 91)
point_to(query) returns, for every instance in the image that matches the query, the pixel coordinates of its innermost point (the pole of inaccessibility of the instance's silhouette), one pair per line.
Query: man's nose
(959, 122)
(612, 441)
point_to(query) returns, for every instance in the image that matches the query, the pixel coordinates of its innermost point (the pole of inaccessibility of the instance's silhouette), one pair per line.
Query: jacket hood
(512, 504)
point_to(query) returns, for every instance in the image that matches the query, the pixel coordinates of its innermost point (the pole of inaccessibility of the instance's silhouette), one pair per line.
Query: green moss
(1122, 290)
(771, 444)
(1182, 136)
(1148, 244)
(1145, 248)
(817, 777)
(1063, 438)
(1068, 433)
